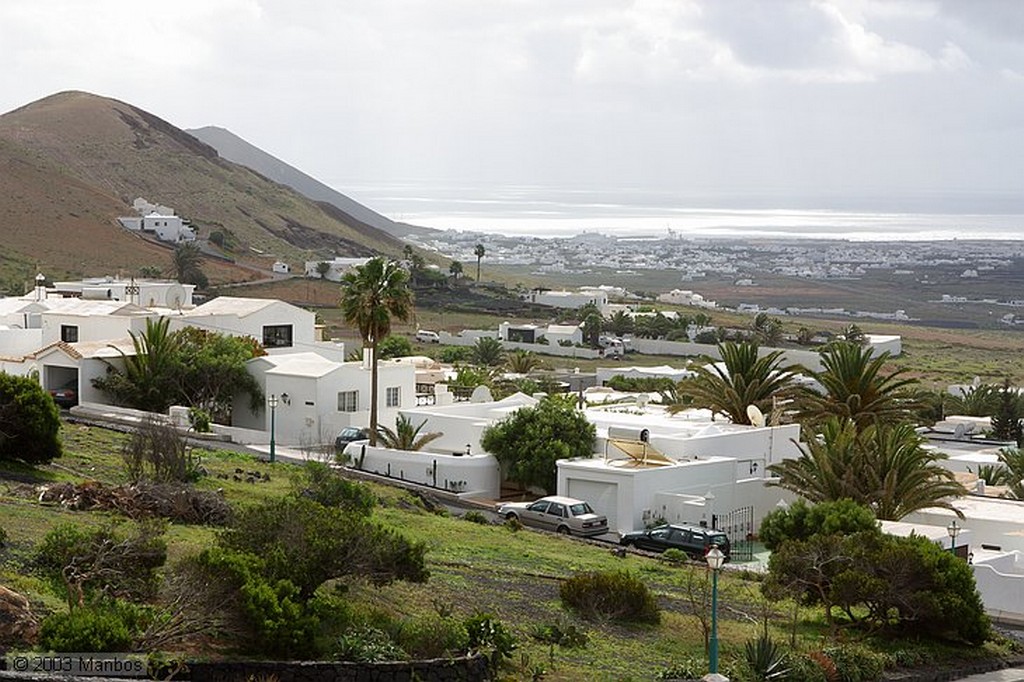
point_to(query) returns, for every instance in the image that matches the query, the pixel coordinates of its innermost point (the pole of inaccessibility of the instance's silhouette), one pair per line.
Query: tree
(800, 520)
(186, 265)
(856, 388)
(479, 252)
(768, 329)
(592, 322)
(1006, 420)
(976, 401)
(406, 436)
(488, 352)
(853, 334)
(529, 441)
(148, 379)
(455, 268)
(886, 468)
(394, 347)
(740, 380)
(29, 421)
(322, 268)
(522, 361)
(371, 295)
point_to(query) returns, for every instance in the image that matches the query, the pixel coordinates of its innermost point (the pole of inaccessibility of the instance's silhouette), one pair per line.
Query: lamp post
(715, 559)
(953, 531)
(272, 401)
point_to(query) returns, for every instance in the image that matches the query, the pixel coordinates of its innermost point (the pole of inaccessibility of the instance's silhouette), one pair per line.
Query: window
(540, 506)
(69, 333)
(277, 336)
(348, 401)
(557, 509)
(393, 396)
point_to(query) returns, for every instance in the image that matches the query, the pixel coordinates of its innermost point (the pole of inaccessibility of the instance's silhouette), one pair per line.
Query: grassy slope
(474, 568)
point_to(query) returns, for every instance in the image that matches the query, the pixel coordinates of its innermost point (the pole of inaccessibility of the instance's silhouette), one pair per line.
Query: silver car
(559, 514)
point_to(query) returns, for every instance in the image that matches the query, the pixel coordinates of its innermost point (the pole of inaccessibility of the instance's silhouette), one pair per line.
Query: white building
(686, 297)
(569, 299)
(336, 268)
(149, 293)
(317, 397)
(159, 220)
(280, 327)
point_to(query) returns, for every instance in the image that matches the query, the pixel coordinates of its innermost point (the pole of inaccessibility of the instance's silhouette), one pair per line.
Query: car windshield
(580, 508)
(719, 539)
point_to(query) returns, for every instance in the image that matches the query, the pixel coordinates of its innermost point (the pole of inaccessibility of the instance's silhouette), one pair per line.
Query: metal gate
(738, 525)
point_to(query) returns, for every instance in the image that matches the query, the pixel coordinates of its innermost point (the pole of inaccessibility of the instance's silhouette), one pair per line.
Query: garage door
(603, 497)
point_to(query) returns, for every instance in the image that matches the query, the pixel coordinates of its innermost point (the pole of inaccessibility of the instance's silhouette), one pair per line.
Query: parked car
(66, 396)
(427, 336)
(560, 514)
(347, 435)
(694, 540)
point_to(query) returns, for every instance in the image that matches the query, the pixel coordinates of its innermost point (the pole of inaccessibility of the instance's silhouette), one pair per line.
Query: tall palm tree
(371, 295)
(620, 323)
(406, 436)
(741, 379)
(149, 378)
(882, 466)
(479, 252)
(856, 387)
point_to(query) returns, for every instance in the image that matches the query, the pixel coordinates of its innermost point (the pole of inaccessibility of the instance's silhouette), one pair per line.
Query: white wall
(92, 327)
(809, 359)
(476, 476)
(1000, 581)
(278, 313)
(19, 342)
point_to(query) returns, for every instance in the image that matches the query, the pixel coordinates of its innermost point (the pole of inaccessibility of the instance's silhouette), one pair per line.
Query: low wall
(808, 358)
(469, 338)
(1000, 583)
(468, 475)
(465, 669)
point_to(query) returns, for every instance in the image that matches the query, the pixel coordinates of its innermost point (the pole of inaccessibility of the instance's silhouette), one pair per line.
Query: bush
(674, 555)
(801, 520)
(432, 636)
(29, 421)
(326, 486)
(366, 644)
(855, 663)
(486, 632)
(474, 516)
(612, 595)
(813, 667)
(3, 537)
(199, 420)
(394, 347)
(565, 635)
(453, 354)
(766, 660)
(103, 627)
(156, 452)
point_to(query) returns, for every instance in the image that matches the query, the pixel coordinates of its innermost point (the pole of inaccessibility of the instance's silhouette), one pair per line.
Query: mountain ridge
(72, 163)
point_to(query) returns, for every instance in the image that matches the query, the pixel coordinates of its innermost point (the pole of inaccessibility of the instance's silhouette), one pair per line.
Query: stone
(17, 624)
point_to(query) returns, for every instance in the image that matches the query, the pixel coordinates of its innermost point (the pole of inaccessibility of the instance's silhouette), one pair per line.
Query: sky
(724, 102)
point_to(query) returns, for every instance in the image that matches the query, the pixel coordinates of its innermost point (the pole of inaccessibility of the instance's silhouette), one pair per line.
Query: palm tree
(976, 401)
(488, 352)
(523, 361)
(149, 378)
(479, 252)
(371, 295)
(741, 379)
(882, 466)
(455, 269)
(768, 329)
(855, 387)
(620, 323)
(406, 436)
(186, 264)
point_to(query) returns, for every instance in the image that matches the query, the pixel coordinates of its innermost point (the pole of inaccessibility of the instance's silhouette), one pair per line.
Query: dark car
(693, 540)
(349, 434)
(65, 396)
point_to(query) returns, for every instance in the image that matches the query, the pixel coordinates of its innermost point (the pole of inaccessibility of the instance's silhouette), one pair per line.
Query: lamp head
(715, 558)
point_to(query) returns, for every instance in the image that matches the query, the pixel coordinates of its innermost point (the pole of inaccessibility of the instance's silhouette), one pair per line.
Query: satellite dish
(960, 431)
(175, 296)
(755, 415)
(976, 382)
(481, 394)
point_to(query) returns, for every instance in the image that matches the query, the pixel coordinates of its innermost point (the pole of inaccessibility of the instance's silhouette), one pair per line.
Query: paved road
(1007, 675)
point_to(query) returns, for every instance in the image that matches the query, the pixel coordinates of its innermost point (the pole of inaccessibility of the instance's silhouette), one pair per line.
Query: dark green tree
(1006, 420)
(620, 323)
(532, 439)
(213, 371)
(371, 295)
(455, 268)
(186, 265)
(392, 346)
(479, 252)
(800, 520)
(29, 421)
(488, 352)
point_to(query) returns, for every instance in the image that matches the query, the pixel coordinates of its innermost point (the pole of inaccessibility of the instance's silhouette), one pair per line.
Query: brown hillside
(73, 162)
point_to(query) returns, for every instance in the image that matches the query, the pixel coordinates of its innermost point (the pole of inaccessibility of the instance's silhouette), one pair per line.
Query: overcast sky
(719, 98)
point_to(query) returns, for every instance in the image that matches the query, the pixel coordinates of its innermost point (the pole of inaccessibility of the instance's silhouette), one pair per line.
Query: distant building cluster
(160, 221)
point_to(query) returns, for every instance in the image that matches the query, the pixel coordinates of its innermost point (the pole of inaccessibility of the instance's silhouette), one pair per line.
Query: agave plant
(767, 660)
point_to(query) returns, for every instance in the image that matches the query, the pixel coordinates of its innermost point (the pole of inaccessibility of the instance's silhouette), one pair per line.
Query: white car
(560, 514)
(427, 336)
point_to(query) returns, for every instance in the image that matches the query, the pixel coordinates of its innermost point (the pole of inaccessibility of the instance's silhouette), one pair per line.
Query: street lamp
(953, 531)
(715, 559)
(272, 401)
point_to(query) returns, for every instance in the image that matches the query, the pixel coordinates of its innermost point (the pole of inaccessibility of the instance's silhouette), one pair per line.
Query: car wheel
(563, 530)
(511, 516)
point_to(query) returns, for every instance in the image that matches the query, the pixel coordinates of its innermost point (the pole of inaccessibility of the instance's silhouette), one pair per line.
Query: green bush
(563, 634)
(688, 669)
(674, 555)
(103, 627)
(29, 421)
(856, 663)
(611, 595)
(474, 516)
(766, 660)
(484, 631)
(199, 420)
(454, 354)
(801, 520)
(367, 644)
(432, 636)
(3, 537)
(326, 486)
(812, 667)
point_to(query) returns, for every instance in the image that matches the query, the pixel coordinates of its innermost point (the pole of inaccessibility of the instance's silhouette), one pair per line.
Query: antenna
(755, 416)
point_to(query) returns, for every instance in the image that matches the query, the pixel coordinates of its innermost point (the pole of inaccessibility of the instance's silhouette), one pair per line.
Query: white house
(149, 293)
(336, 268)
(317, 397)
(569, 299)
(160, 221)
(279, 326)
(686, 297)
(280, 268)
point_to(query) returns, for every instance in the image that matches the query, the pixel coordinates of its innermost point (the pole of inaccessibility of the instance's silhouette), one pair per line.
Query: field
(474, 568)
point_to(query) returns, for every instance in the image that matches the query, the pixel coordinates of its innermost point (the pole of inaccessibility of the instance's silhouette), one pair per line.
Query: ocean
(630, 212)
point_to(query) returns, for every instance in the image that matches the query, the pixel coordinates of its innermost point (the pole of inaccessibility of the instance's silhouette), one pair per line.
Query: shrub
(366, 644)
(3, 537)
(813, 667)
(103, 627)
(29, 421)
(454, 354)
(199, 420)
(766, 660)
(674, 555)
(855, 663)
(484, 631)
(156, 452)
(612, 595)
(325, 486)
(689, 669)
(565, 635)
(432, 636)
(474, 516)
(801, 520)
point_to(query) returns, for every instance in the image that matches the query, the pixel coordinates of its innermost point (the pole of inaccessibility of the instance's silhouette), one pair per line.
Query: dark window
(538, 506)
(277, 336)
(69, 333)
(557, 509)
